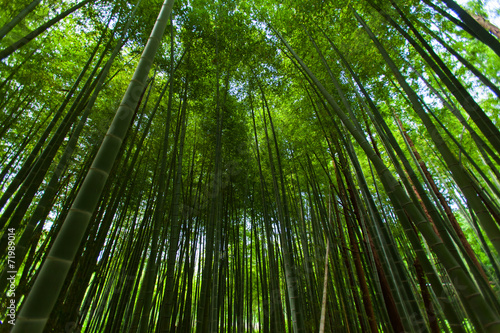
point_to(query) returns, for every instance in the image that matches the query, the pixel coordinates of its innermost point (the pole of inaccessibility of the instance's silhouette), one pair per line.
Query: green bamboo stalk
(466, 63)
(4, 30)
(175, 225)
(460, 176)
(284, 218)
(275, 307)
(33, 34)
(31, 159)
(465, 286)
(40, 301)
(484, 123)
(481, 33)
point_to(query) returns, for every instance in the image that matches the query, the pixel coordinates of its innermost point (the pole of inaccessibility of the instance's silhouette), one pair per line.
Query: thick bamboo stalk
(39, 303)
(461, 279)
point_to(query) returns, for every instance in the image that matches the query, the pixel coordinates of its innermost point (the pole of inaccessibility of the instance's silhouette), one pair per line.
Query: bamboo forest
(249, 166)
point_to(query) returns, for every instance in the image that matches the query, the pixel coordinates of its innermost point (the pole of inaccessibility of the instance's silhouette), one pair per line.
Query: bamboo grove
(249, 166)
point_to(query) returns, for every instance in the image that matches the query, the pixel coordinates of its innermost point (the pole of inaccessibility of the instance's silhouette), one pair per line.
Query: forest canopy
(249, 166)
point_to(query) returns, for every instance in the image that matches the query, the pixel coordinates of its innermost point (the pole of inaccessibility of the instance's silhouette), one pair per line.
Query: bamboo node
(491, 324)
(453, 268)
(76, 210)
(66, 261)
(100, 171)
(114, 136)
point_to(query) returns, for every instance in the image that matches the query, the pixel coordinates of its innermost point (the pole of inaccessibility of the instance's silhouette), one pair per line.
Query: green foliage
(254, 218)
